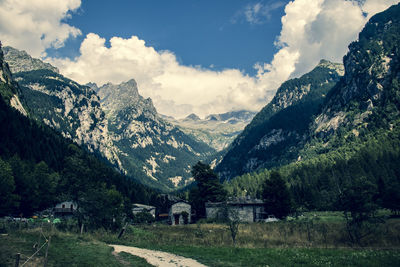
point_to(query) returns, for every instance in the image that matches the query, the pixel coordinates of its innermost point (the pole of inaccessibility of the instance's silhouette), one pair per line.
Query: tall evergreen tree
(276, 196)
(208, 188)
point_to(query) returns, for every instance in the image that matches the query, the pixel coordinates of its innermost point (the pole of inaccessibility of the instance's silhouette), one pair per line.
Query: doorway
(176, 217)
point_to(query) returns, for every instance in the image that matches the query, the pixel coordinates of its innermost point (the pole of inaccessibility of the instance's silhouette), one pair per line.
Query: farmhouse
(66, 208)
(180, 213)
(137, 208)
(247, 209)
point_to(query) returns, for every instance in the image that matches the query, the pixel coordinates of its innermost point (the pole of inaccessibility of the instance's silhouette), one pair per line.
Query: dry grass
(307, 234)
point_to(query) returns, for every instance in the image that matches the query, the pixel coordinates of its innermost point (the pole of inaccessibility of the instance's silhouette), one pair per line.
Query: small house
(247, 209)
(66, 208)
(180, 213)
(137, 208)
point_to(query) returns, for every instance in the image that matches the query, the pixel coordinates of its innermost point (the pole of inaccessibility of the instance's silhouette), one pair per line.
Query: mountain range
(112, 120)
(274, 135)
(216, 130)
(333, 108)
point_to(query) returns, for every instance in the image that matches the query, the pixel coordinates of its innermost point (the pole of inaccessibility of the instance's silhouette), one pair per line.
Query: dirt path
(159, 258)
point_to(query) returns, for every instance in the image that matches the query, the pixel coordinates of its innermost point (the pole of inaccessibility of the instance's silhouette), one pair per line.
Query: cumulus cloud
(34, 25)
(175, 89)
(311, 30)
(323, 29)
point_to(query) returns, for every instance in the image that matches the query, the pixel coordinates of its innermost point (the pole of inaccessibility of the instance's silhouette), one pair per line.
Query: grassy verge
(228, 256)
(295, 234)
(66, 249)
(133, 260)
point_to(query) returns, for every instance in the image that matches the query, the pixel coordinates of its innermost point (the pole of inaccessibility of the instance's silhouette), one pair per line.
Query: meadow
(315, 239)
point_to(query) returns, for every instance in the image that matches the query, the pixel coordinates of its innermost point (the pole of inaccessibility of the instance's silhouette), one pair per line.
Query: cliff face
(145, 140)
(9, 89)
(66, 106)
(21, 61)
(371, 78)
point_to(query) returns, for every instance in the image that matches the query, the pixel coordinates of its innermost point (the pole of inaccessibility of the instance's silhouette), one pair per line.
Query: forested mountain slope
(39, 167)
(355, 136)
(64, 105)
(274, 135)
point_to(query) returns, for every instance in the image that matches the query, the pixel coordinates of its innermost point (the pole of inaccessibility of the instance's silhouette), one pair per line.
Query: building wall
(245, 213)
(67, 205)
(178, 208)
(138, 210)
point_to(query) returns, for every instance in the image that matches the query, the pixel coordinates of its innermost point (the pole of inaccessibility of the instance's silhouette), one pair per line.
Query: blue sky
(188, 56)
(206, 33)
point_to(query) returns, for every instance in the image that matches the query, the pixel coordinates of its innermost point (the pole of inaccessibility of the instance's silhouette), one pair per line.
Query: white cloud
(311, 30)
(257, 13)
(323, 29)
(175, 89)
(34, 25)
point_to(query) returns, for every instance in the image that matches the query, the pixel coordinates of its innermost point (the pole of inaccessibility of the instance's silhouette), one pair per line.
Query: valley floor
(303, 242)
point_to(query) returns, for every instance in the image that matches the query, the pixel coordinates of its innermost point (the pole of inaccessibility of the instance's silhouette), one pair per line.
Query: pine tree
(208, 188)
(276, 196)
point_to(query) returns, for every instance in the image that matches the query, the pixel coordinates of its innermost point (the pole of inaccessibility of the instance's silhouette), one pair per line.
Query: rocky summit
(216, 130)
(147, 142)
(21, 61)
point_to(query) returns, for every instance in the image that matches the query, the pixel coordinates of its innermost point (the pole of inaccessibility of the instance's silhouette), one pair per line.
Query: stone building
(137, 208)
(180, 213)
(66, 208)
(247, 209)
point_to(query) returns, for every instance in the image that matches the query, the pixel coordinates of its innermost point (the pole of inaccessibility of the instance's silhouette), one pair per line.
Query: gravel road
(159, 258)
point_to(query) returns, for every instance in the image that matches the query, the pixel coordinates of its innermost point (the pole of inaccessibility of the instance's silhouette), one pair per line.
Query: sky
(189, 56)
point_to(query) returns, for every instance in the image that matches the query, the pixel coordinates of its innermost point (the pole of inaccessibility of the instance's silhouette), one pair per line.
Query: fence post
(40, 235)
(17, 257)
(122, 231)
(47, 250)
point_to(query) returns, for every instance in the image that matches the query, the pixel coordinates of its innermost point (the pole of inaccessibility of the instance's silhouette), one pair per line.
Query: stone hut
(180, 213)
(247, 209)
(66, 208)
(137, 208)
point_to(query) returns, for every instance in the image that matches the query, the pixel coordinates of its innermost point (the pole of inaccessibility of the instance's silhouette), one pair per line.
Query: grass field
(66, 249)
(305, 242)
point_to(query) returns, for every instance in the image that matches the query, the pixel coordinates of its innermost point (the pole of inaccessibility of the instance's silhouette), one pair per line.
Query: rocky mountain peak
(9, 89)
(5, 73)
(21, 61)
(294, 90)
(371, 69)
(338, 67)
(192, 117)
(123, 103)
(93, 86)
